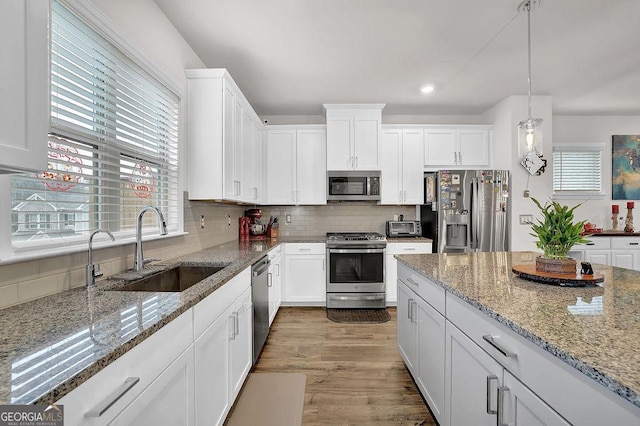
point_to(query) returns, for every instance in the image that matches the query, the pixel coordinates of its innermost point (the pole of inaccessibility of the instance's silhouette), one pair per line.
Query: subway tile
(40, 287)
(8, 295)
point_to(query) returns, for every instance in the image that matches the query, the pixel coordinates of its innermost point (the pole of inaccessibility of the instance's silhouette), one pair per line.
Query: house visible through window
(113, 146)
(577, 171)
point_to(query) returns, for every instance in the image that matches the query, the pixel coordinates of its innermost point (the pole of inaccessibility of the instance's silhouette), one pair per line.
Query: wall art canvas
(625, 167)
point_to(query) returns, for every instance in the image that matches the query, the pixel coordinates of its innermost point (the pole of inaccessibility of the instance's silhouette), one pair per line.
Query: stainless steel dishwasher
(260, 299)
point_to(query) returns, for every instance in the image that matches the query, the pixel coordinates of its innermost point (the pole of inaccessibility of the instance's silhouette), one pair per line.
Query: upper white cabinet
(223, 163)
(353, 135)
(401, 165)
(296, 165)
(457, 147)
(24, 85)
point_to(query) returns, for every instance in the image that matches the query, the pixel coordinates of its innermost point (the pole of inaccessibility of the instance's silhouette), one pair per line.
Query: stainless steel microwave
(353, 186)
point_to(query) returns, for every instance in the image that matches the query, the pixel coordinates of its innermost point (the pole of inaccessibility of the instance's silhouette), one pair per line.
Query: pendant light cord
(528, 6)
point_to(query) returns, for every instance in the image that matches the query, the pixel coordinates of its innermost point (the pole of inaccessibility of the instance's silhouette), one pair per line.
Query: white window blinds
(113, 146)
(577, 169)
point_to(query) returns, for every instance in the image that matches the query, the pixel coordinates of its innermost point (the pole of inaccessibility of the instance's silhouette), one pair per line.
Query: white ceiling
(291, 56)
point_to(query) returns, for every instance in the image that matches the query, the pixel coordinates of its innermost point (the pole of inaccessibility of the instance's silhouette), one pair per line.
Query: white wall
(597, 129)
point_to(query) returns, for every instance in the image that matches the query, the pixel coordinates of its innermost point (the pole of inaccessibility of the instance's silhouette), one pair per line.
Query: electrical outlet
(201, 221)
(287, 218)
(526, 219)
(228, 220)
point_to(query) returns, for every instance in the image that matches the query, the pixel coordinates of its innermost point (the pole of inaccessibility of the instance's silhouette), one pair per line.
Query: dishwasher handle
(260, 266)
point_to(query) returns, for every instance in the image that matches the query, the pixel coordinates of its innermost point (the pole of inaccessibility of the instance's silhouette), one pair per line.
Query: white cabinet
(391, 264)
(275, 282)
(296, 165)
(304, 274)
(157, 371)
(460, 146)
(353, 135)
(257, 189)
(223, 348)
(24, 85)
(401, 165)
(625, 252)
(222, 129)
(421, 336)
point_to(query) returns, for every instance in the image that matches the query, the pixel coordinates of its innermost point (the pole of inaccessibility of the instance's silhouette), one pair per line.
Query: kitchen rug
(358, 315)
(270, 399)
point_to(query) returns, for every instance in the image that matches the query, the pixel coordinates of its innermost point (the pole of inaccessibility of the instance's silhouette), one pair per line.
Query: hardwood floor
(355, 375)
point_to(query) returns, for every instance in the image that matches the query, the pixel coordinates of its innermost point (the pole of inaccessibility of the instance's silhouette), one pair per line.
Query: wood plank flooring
(355, 375)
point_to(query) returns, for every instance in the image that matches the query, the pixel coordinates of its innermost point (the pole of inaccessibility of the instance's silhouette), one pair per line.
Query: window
(577, 171)
(113, 146)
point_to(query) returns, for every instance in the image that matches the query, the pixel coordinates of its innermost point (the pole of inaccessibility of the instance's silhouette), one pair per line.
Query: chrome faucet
(92, 271)
(139, 260)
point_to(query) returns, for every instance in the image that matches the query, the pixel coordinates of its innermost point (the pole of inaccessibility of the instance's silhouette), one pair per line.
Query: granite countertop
(53, 344)
(611, 233)
(594, 329)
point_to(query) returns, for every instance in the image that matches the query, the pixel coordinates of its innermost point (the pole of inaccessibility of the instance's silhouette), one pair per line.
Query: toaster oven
(402, 228)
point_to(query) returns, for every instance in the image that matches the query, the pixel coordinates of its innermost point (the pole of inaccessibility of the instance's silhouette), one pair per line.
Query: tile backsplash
(28, 280)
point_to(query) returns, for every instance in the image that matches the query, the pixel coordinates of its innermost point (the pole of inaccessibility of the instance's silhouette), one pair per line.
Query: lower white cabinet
(622, 252)
(223, 348)
(391, 264)
(305, 274)
(156, 374)
(421, 334)
(275, 282)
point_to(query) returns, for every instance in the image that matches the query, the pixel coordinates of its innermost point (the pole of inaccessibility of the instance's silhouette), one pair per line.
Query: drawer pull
(489, 404)
(633, 244)
(411, 281)
(591, 244)
(409, 249)
(113, 397)
(500, 349)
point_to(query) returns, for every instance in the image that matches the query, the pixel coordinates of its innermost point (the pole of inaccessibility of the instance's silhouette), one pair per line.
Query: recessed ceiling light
(427, 89)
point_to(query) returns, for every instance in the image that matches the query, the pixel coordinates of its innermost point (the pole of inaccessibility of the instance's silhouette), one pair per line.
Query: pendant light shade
(529, 130)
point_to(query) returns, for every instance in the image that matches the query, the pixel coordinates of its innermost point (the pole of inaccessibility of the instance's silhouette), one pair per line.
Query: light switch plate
(526, 219)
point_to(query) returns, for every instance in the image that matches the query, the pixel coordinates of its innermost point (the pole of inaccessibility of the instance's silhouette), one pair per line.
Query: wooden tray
(529, 272)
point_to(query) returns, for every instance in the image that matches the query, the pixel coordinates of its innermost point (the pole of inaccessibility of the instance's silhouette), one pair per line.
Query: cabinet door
(407, 327)
(391, 184)
(246, 157)
(439, 147)
(229, 140)
(24, 84)
(431, 357)
(473, 148)
(257, 162)
(520, 406)
(366, 135)
(281, 166)
(275, 288)
(212, 384)
(598, 256)
(412, 167)
(339, 143)
(241, 344)
(622, 259)
(471, 383)
(311, 169)
(305, 277)
(391, 279)
(173, 389)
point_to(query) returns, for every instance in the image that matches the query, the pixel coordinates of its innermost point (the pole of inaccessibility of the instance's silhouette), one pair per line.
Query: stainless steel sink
(175, 279)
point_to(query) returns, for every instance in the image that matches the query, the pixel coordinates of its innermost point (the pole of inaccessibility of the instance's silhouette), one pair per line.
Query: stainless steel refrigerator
(466, 210)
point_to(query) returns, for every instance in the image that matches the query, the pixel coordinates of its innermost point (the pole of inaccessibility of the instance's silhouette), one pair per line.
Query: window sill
(52, 251)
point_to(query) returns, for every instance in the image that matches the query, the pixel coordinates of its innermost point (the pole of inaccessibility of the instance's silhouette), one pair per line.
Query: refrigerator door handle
(473, 230)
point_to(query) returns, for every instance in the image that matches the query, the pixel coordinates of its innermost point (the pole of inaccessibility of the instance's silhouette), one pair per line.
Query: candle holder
(628, 222)
(614, 221)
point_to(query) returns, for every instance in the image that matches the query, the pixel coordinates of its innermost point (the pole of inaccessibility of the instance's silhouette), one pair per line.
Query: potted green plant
(557, 233)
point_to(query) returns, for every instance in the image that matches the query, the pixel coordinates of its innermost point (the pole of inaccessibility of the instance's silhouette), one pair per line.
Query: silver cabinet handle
(232, 323)
(405, 196)
(459, 157)
(269, 279)
(113, 397)
(414, 315)
(489, 405)
(500, 349)
(356, 162)
(409, 309)
(400, 195)
(411, 281)
(278, 271)
(409, 249)
(236, 324)
(501, 391)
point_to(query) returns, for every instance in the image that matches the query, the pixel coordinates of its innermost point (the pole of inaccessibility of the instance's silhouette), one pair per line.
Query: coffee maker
(257, 230)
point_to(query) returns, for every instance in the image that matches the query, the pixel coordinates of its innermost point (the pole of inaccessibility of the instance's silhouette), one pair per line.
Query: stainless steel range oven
(355, 272)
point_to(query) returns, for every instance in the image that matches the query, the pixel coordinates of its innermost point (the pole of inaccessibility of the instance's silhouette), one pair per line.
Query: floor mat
(270, 399)
(358, 315)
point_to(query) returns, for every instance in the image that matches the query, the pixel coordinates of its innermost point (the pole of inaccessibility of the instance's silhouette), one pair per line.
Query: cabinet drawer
(595, 243)
(430, 292)
(408, 248)
(563, 387)
(205, 312)
(145, 362)
(304, 248)
(628, 243)
(275, 252)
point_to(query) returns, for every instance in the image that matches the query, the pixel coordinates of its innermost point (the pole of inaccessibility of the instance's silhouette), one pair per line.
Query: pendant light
(530, 130)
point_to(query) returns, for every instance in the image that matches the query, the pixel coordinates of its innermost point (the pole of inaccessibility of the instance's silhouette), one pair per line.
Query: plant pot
(556, 266)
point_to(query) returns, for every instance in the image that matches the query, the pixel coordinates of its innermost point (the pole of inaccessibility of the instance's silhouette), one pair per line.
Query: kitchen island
(576, 349)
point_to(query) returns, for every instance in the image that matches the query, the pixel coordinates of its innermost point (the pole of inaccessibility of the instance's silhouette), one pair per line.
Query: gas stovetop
(355, 237)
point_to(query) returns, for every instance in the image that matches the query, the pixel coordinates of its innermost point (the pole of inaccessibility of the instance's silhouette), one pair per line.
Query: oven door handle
(345, 298)
(357, 250)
